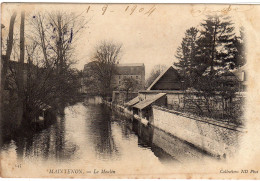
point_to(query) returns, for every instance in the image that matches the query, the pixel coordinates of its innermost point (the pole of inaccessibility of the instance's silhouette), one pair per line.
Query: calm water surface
(94, 133)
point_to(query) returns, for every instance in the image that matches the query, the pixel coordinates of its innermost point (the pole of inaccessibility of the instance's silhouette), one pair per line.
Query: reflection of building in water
(145, 134)
(100, 128)
(93, 100)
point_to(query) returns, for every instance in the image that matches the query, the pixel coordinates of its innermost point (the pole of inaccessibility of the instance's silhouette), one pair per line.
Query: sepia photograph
(129, 91)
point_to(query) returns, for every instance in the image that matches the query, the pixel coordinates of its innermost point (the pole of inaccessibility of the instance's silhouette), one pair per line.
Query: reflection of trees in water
(62, 148)
(49, 143)
(101, 131)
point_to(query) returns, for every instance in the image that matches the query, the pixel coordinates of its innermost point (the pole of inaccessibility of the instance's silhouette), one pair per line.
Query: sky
(149, 33)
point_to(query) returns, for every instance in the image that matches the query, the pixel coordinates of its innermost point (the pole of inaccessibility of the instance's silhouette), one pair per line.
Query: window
(119, 77)
(119, 82)
(243, 76)
(137, 76)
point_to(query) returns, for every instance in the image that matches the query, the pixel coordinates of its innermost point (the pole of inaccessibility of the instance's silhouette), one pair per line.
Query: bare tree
(49, 79)
(55, 32)
(128, 84)
(54, 83)
(105, 58)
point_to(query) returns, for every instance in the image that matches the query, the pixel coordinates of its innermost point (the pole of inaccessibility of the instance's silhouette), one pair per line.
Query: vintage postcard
(130, 91)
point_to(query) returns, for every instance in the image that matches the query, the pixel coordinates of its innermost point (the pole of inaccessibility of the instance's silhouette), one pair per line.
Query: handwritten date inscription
(129, 9)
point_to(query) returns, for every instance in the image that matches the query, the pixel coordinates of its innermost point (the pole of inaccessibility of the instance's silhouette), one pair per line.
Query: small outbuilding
(143, 108)
(167, 80)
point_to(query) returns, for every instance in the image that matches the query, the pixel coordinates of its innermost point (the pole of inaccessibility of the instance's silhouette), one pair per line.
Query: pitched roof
(133, 101)
(130, 69)
(143, 104)
(159, 77)
(130, 64)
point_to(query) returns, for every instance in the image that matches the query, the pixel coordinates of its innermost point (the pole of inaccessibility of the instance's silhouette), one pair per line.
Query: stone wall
(177, 148)
(217, 138)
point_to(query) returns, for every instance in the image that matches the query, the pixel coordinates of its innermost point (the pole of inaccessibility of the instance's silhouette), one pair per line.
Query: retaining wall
(217, 138)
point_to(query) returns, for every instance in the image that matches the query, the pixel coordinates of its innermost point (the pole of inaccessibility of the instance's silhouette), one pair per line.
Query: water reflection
(145, 135)
(95, 132)
(100, 130)
(47, 144)
(165, 146)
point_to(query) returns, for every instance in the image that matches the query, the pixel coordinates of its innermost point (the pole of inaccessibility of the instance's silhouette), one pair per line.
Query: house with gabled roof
(167, 80)
(166, 87)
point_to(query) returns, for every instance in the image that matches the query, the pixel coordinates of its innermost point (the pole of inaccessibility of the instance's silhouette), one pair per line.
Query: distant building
(136, 71)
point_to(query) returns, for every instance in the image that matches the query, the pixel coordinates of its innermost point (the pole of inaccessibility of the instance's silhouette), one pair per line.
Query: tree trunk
(6, 58)
(10, 37)
(20, 73)
(213, 47)
(59, 45)
(5, 63)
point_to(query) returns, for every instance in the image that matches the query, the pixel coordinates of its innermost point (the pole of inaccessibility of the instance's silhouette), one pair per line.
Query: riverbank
(218, 139)
(11, 130)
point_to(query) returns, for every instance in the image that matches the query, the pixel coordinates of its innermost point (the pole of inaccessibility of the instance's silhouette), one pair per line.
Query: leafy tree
(216, 47)
(187, 55)
(205, 58)
(240, 55)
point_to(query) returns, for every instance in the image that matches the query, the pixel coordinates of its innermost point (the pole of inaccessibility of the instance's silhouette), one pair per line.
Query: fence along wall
(213, 107)
(216, 138)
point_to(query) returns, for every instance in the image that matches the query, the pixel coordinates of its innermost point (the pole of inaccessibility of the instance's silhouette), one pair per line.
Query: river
(92, 135)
